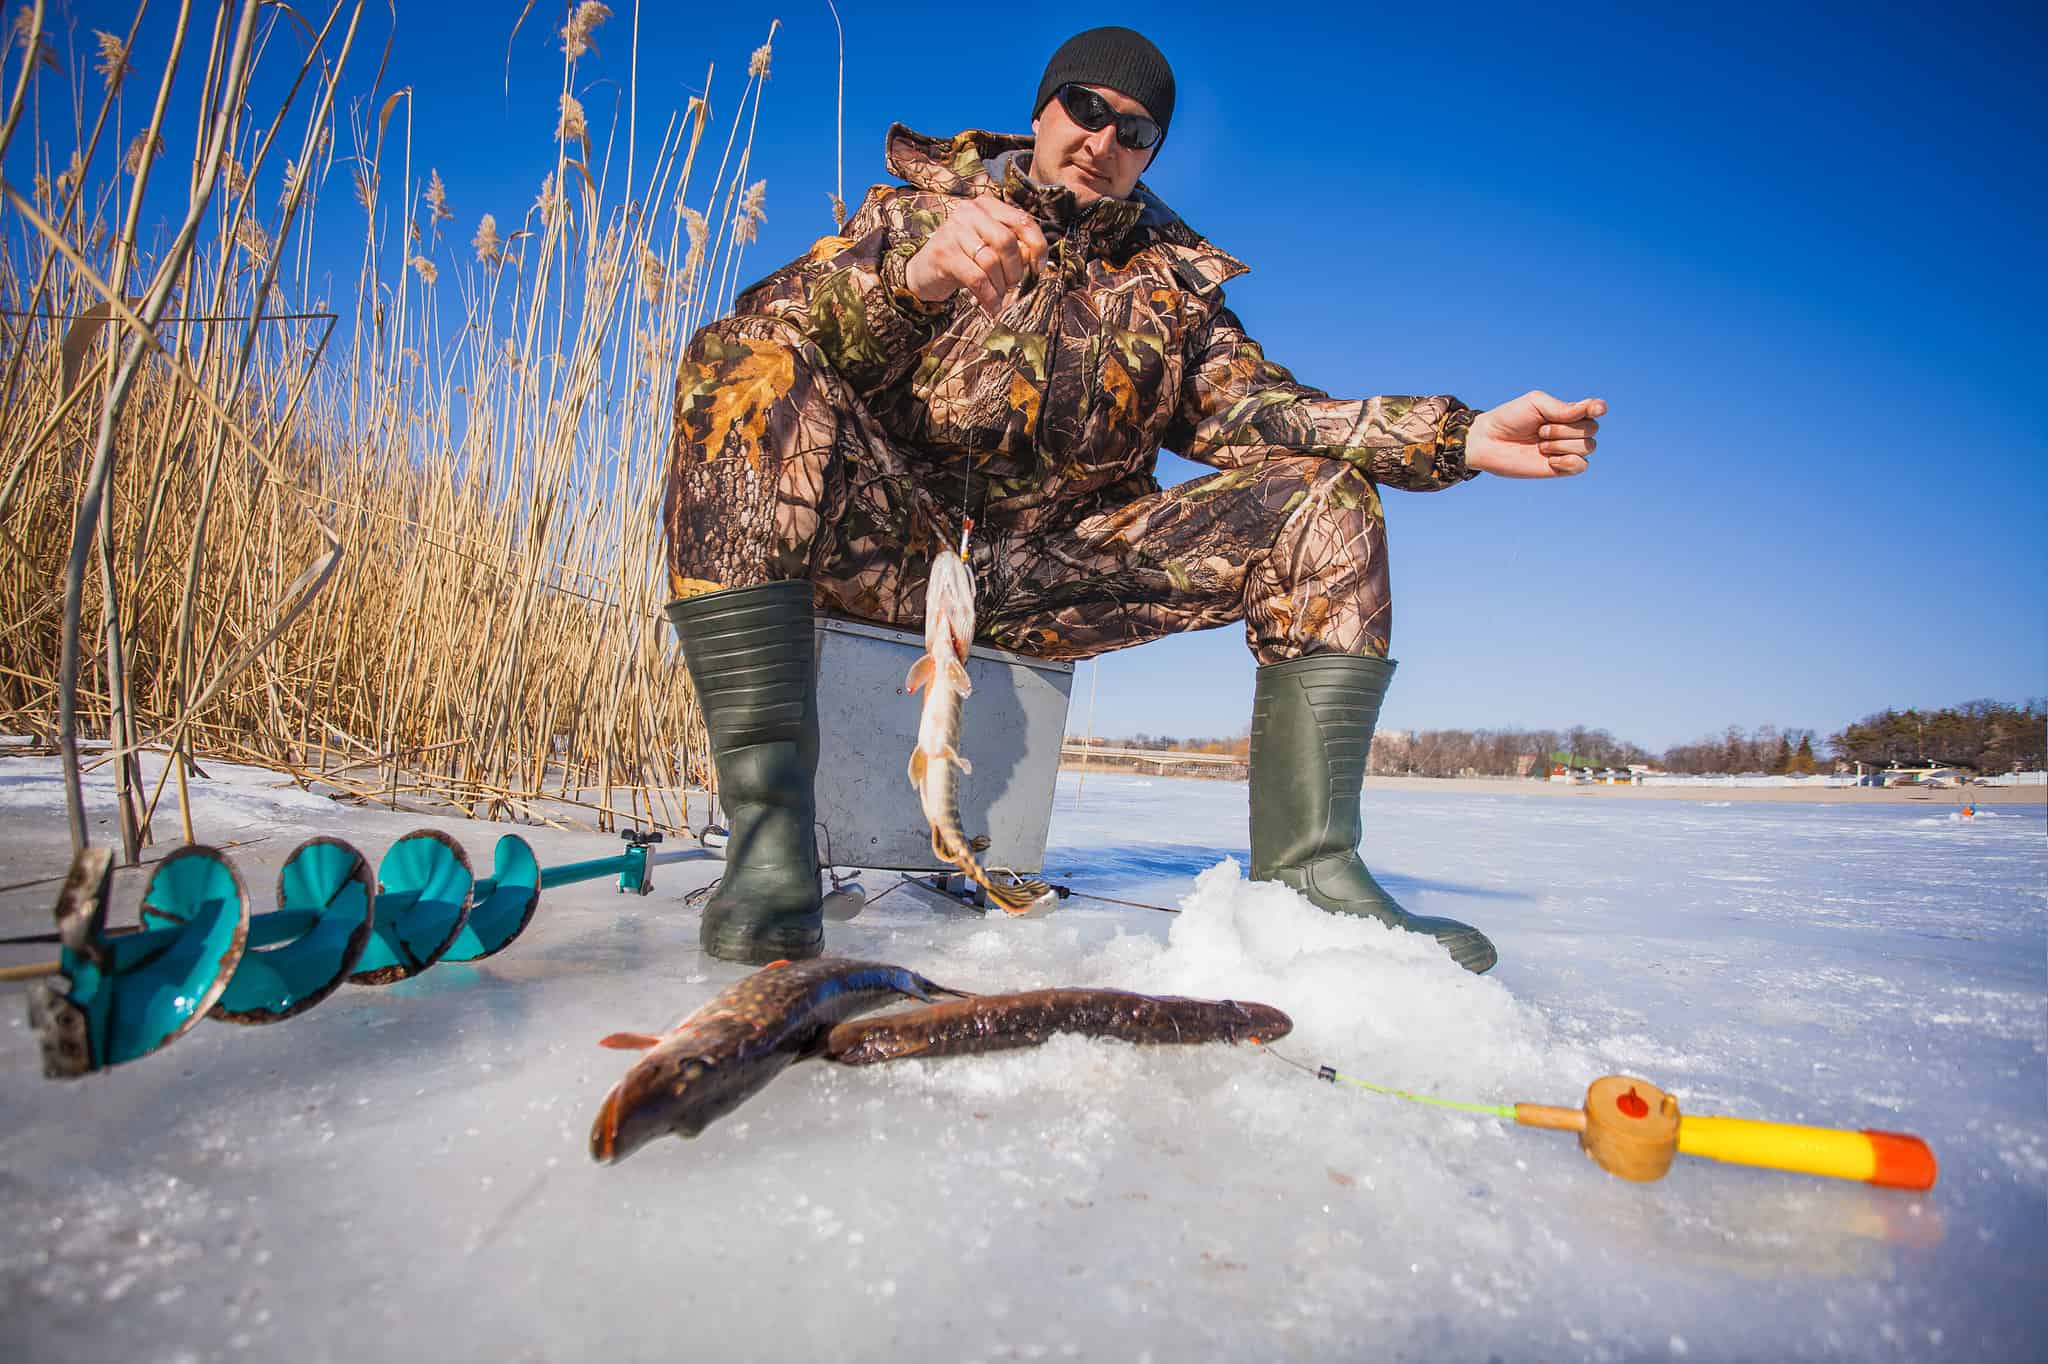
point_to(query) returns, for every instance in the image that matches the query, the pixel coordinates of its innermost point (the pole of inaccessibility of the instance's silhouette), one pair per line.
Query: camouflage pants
(779, 471)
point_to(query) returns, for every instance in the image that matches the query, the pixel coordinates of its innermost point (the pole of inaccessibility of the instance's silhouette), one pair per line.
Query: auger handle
(1893, 1160)
(32, 972)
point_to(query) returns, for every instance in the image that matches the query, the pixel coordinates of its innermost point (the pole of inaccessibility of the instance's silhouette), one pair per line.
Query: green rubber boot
(749, 652)
(1312, 723)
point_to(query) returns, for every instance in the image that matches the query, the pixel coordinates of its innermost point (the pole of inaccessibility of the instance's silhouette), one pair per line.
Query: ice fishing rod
(1633, 1129)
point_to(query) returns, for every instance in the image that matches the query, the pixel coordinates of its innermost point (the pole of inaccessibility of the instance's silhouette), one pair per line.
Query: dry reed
(412, 550)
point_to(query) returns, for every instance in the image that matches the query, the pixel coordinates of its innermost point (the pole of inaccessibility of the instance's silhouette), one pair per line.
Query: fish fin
(920, 675)
(956, 675)
(958, 761)
(630, 1041)
(924, 987)
(917, 767)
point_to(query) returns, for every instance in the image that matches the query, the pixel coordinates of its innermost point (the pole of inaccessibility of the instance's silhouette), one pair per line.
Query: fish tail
(1016, 895)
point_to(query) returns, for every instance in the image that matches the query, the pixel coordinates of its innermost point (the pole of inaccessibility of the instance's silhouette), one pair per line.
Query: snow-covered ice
(401, 1172)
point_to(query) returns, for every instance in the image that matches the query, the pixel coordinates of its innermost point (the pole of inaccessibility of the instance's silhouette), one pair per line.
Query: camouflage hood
(979, 162)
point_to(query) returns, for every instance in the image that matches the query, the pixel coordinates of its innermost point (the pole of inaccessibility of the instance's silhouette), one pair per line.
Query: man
(1013, 336)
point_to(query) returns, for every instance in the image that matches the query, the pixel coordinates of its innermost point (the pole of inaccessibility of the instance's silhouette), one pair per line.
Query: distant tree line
(1238, 745)
(1981, 736)
(1767, 749)
(1498, 752)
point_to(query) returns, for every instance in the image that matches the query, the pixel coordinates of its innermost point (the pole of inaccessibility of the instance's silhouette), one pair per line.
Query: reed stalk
(419, 561)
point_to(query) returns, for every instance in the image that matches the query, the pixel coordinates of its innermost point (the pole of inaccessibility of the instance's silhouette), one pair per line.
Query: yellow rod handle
(1892, 1159)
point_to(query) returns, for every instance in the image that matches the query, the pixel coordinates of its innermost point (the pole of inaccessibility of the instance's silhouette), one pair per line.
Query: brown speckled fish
(983, 1023)
(935, 764)
(721, 1055)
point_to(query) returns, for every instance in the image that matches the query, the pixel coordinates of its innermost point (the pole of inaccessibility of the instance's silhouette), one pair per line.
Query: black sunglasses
(1092, 111)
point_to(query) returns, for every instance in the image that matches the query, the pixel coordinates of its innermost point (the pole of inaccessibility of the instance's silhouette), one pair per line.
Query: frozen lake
(402, 1172)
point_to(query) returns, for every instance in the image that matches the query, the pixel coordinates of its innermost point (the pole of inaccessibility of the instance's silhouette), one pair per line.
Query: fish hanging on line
(936, 764)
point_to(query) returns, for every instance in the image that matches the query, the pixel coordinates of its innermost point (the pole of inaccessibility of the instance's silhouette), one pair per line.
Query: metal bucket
(1011, 732)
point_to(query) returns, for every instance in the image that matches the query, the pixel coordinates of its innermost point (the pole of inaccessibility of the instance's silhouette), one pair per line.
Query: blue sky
(1796, 249)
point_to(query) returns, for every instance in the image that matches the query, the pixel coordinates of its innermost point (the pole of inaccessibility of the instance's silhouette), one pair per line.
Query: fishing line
(885, 894)
(125, 866)
(1112, 900)
(1332, 1075)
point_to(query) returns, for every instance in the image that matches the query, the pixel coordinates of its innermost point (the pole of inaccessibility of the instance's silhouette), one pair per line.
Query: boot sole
(759, 951)
(1474, 951)
(1468, 947)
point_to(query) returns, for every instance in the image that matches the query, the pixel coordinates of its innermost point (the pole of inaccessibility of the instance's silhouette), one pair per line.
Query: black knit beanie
(1117, 59)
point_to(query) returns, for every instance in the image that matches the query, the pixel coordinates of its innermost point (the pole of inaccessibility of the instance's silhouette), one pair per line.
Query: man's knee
(745, 395)
(1330, 511)
(735, 388)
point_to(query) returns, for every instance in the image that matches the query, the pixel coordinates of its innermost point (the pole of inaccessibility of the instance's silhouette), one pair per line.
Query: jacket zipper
(1052, 340)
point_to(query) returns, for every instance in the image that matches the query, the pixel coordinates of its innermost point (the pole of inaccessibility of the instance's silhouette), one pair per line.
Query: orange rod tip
(1903, 1161)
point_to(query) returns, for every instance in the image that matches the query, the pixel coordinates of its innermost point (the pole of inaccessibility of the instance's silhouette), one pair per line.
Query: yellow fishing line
(1332, 1074)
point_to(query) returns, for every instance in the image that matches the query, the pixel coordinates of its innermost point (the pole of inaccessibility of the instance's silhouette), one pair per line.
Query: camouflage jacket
(1121, 344)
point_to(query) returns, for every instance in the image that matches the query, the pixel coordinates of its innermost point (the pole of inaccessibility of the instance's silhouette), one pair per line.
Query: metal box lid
(1011, 729)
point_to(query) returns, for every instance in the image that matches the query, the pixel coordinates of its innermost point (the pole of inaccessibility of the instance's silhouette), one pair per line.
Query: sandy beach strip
(1947, 799)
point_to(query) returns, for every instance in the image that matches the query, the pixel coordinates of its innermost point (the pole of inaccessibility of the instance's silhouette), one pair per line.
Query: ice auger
(116, 994)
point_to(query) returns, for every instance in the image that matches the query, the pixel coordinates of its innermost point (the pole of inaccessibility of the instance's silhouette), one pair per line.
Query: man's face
(1093, 165)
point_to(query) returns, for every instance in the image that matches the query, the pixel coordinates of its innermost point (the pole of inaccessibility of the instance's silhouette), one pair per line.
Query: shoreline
(1950, 798)
(1945, 798)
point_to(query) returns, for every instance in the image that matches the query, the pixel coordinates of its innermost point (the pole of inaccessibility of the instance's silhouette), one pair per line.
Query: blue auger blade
(301, 953)
(422, 903)
(128, 995)
(502, 907)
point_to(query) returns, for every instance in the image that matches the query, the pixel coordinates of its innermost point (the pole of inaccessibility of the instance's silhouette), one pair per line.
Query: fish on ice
(722, 1054)
(987, 1023)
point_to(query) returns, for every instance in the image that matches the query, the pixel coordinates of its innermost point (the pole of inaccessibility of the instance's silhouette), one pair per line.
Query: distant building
(1936, 776)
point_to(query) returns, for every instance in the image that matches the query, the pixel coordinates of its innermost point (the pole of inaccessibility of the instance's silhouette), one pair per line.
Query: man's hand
(985, 246)
(1534, 436)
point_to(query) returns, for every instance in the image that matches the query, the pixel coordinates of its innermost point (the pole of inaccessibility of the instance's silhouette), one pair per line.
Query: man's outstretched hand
(1534, 436)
